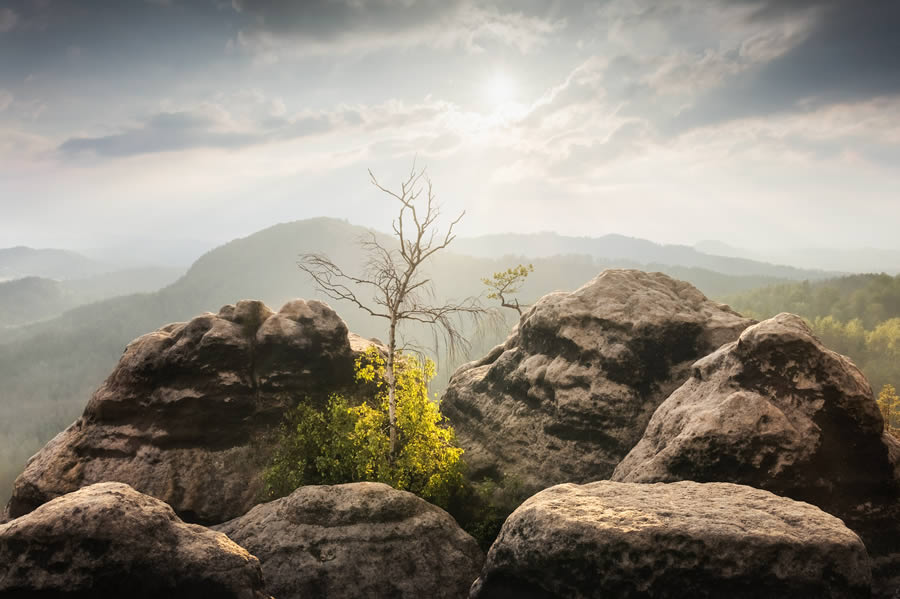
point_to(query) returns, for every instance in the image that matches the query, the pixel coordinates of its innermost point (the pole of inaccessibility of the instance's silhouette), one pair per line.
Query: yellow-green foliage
(507, 281)
(889, 404)
(875, 351)
(346, 443)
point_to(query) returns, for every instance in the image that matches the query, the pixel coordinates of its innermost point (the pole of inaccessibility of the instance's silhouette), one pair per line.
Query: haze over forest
(162, 160)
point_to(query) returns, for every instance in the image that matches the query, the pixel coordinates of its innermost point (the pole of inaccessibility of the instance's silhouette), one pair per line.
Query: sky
(759, 123)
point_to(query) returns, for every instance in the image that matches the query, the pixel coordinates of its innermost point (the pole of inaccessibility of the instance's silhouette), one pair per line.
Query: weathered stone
(570, 392)
(362, 540)
(187, 414)
(778, 411)
(679, 540)
(108, 540)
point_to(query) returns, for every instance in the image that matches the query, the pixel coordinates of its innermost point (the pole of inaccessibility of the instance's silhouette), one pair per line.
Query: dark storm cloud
(851, 53)
(317, 26)
(325, 20)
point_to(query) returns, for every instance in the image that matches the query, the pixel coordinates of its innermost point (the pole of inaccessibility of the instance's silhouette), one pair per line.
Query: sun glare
(500, 89)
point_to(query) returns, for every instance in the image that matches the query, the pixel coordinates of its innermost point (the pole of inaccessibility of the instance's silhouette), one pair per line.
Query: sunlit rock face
(187, 414)
(360, 540)
(572, 389)
(778, 411)
(108, 540)
(680, 540)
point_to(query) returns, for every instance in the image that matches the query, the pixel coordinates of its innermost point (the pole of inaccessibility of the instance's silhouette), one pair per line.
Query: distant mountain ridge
(618, 247)
(20, 261)
(862, 260)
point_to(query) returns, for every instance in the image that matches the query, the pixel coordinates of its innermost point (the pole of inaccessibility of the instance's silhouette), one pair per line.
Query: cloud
(8, 19)
(250, 119)
(6, 99)
(848, 54)
(316, 27)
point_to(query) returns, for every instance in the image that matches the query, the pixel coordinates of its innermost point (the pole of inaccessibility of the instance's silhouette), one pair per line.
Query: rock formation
(778, 411)
(680, 540)
(360, 540)
(570, 392)
(108, 540)
(187, 414)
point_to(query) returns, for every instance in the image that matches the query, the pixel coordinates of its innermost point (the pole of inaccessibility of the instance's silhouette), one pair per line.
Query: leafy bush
(482, 507)
(349, 443)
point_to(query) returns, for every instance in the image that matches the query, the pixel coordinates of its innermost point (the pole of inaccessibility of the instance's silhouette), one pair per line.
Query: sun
(500, 89)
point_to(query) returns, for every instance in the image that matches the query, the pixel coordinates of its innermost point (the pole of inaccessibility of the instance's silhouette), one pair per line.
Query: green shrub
(349, 443)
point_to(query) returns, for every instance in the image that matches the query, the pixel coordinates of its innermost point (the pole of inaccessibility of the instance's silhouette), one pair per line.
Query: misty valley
(449, 299)
(570, 384)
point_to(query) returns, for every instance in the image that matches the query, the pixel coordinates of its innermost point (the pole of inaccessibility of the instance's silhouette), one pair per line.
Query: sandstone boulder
(108, 540)
(362, 540)
(570, 392)
(680, 540)
(778, 411)
(187, 414)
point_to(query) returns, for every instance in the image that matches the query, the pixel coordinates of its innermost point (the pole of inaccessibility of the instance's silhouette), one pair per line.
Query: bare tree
(401, 291)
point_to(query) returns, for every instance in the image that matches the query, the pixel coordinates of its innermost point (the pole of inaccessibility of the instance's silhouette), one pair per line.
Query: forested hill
(871, 298)
(856, 315)
(31, 299)
(48, 370)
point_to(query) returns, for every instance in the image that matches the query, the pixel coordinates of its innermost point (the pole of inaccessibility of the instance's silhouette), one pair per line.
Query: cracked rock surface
(108, 540)
(680, 540)
(187, 414)
(359, 540)
(778, 411)
(572, 389)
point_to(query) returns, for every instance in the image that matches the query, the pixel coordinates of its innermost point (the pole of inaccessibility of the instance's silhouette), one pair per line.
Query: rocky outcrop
(108, 540)
(778, 411)
(362, 540)
(570, 392)
(680, 540)
(187, 414)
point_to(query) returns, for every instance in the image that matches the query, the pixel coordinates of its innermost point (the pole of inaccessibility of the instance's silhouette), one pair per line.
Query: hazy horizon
(760, 124)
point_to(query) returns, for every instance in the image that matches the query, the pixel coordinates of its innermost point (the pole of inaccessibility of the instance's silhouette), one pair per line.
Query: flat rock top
(364, 540)
(109, 540)
(686, 539)
(694, 509)
(350, 504)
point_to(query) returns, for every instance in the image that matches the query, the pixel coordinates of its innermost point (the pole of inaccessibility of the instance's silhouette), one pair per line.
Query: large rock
(778, 411)
(362, 540)
(677, 540)
(187, 414)
(570, 392)
(108, 540)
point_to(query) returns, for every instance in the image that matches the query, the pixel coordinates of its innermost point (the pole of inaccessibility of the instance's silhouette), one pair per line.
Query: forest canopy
(858, 316)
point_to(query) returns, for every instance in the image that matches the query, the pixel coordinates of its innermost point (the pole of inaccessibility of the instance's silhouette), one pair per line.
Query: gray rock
(570, 392)
(187, 414)
(362, 540)
(778, 411)
(108, 540)
(680, 540)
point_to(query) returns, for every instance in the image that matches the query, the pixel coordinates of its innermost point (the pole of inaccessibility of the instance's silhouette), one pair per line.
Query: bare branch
(332, 281)
(401, 293)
